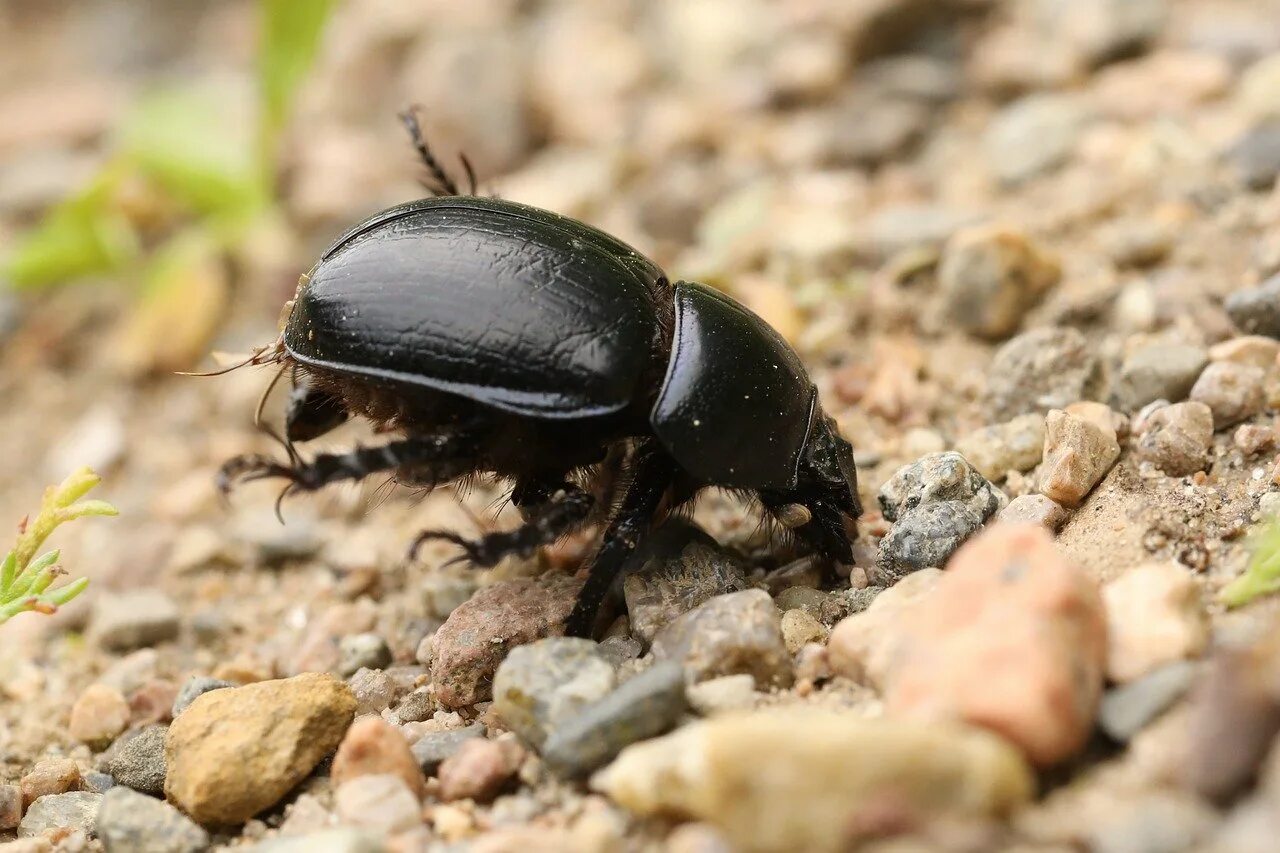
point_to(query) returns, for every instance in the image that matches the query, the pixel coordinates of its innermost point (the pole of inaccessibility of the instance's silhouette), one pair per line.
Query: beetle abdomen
(497, 302)
(737, 404)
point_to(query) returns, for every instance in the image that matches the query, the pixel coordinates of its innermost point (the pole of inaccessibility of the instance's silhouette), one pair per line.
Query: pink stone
(479, 769)
(374, 747)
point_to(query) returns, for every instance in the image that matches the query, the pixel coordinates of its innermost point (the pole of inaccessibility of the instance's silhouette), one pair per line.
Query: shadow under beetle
(506, 340)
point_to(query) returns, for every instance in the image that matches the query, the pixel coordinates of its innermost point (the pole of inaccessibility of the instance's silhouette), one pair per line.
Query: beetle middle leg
(549, 514)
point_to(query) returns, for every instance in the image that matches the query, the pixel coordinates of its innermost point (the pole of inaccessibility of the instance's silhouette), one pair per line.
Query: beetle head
(827, 468)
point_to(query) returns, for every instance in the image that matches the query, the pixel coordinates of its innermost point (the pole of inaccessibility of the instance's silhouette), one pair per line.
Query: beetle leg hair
(652, 473)
(556, 514)
(447, 456)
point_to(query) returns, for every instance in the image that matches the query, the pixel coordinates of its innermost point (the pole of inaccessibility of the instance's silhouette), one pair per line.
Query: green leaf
(291, 32)
(1262, 576)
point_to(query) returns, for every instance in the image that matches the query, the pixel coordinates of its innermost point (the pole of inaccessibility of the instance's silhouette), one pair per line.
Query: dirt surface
(901, 189)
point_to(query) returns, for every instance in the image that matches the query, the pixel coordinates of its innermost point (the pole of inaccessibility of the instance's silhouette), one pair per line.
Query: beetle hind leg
(442, 183)
(549, 515)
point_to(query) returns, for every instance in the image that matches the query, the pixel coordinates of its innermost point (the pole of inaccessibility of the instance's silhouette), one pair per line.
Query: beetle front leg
(653, 472)
(549, 514)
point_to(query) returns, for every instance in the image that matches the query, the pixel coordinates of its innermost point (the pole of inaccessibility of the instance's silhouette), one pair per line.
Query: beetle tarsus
(444, 185)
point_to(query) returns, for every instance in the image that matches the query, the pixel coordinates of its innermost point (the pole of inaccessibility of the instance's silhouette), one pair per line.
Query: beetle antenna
(410, 119)
(472, 185)
(269, 354)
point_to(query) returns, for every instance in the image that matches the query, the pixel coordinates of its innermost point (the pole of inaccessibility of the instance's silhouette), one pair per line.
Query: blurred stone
(153, 702)
(342, 840)
(99, 716)
(677, 568)
(1251, 350)
(1258, 92)
(1139, 242)
(829, 773)
(1154, 617)
(1103, 30)
(379, 803)
(129, 822)
(372, 747)
(511, 613)
(1033, 135)
(719, 695)
(1035, 509)
(375, 690)
(1233, 392)
(48, 777)
(1012, 638)
(1256, 156)
(1157, 372)
(862, 646)
(1126, 710)
(799, 629)
(1077, 455)
(1176, 439)
(1042, 369)
(357, 651)
(479, 769)
(139, 762)
(197, 686)
(1015, 445)
(417, 706)
(544, 683)
(735, 633)
(63, 814)
(1252, 439)
(433, 748)
(131, 620)
(10, 807)
(1256, 310)
(990, 276)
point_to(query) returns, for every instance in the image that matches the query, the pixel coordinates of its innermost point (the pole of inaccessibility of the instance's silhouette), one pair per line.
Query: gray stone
(924, 538)
(139, 762)
(344, 840)
(1256, 156)
(1176, 439)
(1042, 369)
(990, 276)
(362, 651)
(1157, 372)
(1126, 710)
(860, 599)
(129, 822)
(1014, 445)
(937, 478)
(735, 633)
(132, 620)
(97, 781)
(197, 686)
(544, 683)
(432, 749)
(1256, 311)
(417, 706)
(1033, 135)
(375, 690)
(646, 706)
(73, 811)
(618, 650)
(678, 568)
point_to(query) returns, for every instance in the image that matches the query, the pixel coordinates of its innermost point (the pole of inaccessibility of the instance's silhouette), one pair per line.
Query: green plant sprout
(1263, 573)
(27, 583)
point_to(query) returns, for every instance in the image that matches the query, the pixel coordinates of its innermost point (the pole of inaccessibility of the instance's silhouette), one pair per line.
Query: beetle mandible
(501, 339)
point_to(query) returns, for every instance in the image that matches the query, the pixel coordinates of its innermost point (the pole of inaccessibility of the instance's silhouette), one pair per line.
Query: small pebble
(1250, 350)
(434, 747)
(734, 633)
(1176, 439)
(342, 840)
(417, 706)
(139, 762)
(1078, 453)
(372, 747)
(1126, 710)
(926, 537)
(1035, 509)
(97, 781)
(1157, 372)
(1233, 392)
(1256, 156)
(10, 807)
(362, 651)
(990, 276)
(99, 716)
(546, 682)
(375, 690)
(1015, 445)
(479, 770)
(646, 706)
(381, 803)
(1033, 135)
(1154, 617)
(129, 822)
(1042, 369)
(132, 620)
(1253, 439)
(799, 629)
(153, 702)
(1256, 310)
(50, 776)
(197, 686)
(76, 811)
(726, 693)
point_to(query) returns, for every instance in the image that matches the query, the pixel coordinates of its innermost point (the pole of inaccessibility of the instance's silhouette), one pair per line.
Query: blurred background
(168, 169)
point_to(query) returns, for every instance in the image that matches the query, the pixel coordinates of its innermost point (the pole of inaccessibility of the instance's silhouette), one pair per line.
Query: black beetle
(502, 339)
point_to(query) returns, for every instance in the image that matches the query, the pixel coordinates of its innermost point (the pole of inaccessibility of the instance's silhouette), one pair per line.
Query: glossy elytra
(499, 339)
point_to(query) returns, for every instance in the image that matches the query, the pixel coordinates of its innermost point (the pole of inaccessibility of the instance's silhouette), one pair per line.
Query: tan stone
(373, 746)
(1078, 452)
(99, 716)
(1154, 616)
(862, 646)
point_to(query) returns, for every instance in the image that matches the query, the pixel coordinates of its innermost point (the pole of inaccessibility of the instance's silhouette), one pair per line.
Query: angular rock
(1252, 439)
(129, 822)
(678, 568)
(126, 621)
(197, 686)
(799, 629)
(1012, 638)
(433, 748)
(936, 478)
(76, 811)
(806, 779)
(479, 770)
(10, 807)
(646, 706)
(862, 646)
(1154, 617)
(1035, 509)
(1126, 710)
(1077, 455)
(1042, 369)
(50, 776)
(99, 716)
(544, 683)
(223, 773)
(1176, 439)
(990, 276)
(924, 538)
(1015, 445)
(380, 803)
(479, 634)
(139, 762)
(734, 633)
(1233, 392)
(373, 747)
(417, 706)
(375, 690)
(1256, 310)
(1157, 372)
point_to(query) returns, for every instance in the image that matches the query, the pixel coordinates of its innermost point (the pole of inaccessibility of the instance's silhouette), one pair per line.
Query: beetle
(501, 339)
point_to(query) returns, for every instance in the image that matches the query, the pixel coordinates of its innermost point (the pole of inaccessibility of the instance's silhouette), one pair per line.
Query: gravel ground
(1030, 251)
